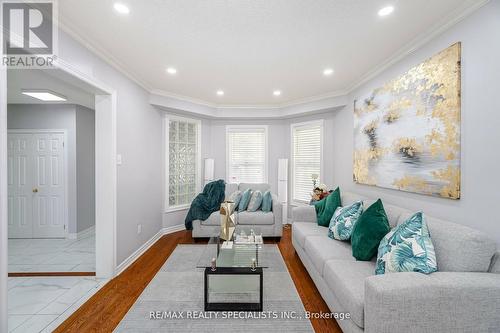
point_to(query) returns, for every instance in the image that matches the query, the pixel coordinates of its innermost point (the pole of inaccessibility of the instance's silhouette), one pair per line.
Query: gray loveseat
(269, 223)
(463, 296)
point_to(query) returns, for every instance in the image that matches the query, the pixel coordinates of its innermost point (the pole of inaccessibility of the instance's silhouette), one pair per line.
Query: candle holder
(254, 264)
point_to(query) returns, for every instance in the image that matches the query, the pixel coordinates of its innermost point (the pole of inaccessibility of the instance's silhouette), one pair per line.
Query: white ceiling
(248, 48)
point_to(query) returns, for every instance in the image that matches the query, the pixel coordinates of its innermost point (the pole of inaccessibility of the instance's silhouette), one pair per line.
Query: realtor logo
(29, 34)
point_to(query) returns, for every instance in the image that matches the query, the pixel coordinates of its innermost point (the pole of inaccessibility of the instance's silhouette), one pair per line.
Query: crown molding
(183, 98)
(311, 99)
(316, 98)
(437, 29)
(169, 103)
(101, 53)
(188, 106)
(300, 101)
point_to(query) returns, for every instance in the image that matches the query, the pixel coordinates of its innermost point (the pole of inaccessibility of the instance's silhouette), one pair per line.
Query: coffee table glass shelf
(233, 279)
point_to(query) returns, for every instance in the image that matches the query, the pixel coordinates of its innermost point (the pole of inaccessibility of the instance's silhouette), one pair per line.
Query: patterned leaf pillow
(343, 221)
(407, 248)
(255, 201)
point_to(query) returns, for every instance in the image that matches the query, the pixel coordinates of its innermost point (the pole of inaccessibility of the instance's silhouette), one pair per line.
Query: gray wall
(329, 141)
(478, 206)
(78, 121)
(85, 167)
(139, 141)
(277, 147)
(213, 145)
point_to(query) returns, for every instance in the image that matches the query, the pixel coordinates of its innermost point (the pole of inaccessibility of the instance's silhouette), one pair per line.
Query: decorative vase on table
(314, 178)
(227, 220)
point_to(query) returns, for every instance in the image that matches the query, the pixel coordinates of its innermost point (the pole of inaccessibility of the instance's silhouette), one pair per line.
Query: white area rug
(178, 287)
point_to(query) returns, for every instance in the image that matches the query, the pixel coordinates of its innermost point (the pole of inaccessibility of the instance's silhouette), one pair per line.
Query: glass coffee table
(233, 279)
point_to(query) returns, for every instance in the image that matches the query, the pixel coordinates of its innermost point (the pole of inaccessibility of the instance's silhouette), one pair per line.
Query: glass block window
(183, 161)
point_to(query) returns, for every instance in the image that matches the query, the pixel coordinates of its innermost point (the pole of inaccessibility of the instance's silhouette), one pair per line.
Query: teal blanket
(206, 203)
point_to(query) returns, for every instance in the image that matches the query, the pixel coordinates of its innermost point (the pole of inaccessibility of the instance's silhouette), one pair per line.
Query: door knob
(35, 190)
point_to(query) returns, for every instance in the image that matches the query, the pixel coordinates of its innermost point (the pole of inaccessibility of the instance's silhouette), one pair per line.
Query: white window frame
(230, 128)
(319, 122)
(166, 125)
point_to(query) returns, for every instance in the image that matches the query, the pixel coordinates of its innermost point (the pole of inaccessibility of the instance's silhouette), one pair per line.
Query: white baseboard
(83, 233)
(174, 228)
(140, 251)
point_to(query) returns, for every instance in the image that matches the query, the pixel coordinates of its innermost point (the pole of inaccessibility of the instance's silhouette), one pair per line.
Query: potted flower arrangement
(319, 191)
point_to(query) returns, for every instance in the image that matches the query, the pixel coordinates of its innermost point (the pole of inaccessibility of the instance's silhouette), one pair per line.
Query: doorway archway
(105, 174)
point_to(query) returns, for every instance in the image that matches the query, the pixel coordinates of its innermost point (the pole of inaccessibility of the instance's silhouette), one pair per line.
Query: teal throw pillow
(267, 202)
(245, 199)
(326, 207)
(343, 221)
(367, 233)
(407, 248)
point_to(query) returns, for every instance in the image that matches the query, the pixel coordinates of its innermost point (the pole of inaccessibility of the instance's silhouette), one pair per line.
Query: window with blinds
(246, 153)
(183, 161)
(306, 158)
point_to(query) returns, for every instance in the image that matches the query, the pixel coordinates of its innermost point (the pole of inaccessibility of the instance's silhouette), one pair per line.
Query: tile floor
(40, 304)
(53, 255)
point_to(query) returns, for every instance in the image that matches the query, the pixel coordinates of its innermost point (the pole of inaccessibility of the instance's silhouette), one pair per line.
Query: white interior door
(44, 188)
(48, 199)
(20, 179)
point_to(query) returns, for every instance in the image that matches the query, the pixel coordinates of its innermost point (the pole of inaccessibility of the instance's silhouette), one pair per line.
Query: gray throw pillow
(235, 197)
(255, 201)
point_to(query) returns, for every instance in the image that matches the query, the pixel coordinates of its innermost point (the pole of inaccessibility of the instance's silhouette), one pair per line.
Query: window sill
(177, 208)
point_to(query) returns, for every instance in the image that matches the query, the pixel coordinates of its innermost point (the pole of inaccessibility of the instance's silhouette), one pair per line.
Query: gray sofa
(463, 296)
(268, 223)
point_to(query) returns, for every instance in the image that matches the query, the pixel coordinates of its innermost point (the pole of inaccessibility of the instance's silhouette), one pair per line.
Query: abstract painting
(407, 132)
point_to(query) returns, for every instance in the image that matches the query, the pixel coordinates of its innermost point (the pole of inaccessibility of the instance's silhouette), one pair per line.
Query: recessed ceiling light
(277, 92)
(220, 92)
(171, 70)
(328, 71)
(121, 8)
(386, 11)
(45, 96)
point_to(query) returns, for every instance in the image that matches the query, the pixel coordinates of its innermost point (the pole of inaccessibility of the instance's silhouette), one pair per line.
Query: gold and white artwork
(407, 132)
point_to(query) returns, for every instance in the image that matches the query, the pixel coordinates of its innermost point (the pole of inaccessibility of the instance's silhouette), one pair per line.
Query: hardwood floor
(104, 311)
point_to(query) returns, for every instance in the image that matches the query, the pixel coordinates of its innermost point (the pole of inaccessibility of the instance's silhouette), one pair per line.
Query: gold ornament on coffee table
(227, 220)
